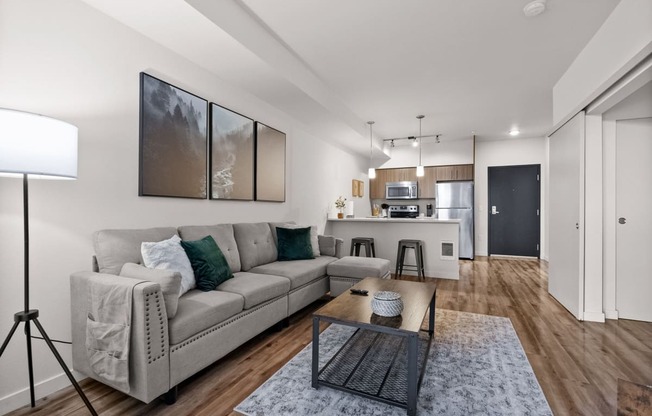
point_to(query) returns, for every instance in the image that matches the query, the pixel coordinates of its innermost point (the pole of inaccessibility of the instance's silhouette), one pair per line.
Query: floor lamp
(39, 147)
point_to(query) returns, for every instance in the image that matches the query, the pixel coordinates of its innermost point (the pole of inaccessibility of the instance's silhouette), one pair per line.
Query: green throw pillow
(294, 244)
(208, 262)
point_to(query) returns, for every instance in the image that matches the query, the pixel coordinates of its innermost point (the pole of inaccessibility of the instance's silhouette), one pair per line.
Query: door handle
(493, 210)
(622, 220)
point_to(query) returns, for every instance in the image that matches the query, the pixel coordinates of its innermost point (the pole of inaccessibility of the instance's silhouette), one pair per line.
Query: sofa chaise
(163, 352)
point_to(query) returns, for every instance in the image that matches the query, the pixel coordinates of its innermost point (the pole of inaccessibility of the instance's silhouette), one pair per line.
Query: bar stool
(417, 245)
(367, 242)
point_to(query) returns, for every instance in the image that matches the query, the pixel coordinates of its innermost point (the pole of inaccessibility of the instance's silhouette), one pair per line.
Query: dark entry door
(514, 210)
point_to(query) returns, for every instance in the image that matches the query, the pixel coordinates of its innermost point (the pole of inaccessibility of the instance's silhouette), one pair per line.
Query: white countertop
(388, 220)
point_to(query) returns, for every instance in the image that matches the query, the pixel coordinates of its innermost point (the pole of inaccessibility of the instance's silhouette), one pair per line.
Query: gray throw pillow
(328, 245)
(169, 280)
(169, 255)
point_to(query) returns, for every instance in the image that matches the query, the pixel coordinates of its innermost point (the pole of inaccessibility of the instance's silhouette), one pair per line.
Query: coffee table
(385, 358)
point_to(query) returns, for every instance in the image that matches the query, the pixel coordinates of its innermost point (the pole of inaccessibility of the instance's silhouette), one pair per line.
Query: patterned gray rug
(476, 366)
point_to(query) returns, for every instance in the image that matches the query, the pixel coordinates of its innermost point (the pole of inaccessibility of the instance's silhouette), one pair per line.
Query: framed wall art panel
(232, 152)
(270, 164)
(173, 141)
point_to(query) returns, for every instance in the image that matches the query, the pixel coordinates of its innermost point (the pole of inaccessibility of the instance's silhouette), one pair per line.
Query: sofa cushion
(199, 311)
(169, 255)
(223, 236)
(114, 248)
(294, 244)
(169, 280)
(208, 263)
(255, 244)
(256, 288)
(299, 272)
(359, 267)
(314, 237)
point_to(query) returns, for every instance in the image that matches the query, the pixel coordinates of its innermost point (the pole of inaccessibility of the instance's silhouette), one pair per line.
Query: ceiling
(472, 66)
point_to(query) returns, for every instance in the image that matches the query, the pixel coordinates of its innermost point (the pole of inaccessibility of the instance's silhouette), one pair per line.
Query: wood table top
(356, 309)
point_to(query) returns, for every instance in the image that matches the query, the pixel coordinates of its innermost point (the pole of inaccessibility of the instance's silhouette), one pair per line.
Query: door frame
(489, 209)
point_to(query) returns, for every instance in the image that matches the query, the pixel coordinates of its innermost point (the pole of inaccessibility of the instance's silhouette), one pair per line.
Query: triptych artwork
(190, 149)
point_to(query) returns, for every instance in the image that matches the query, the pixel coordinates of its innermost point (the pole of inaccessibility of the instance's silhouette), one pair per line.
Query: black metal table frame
(414, 379)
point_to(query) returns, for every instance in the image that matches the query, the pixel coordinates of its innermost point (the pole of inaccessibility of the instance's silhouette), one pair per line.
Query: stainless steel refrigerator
(454, 200)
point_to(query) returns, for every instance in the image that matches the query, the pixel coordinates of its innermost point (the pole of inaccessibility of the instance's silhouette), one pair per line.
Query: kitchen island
(388, 231)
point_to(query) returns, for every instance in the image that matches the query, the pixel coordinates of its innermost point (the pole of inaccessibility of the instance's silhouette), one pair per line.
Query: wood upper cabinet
(401, 175)
(455, 173)
(426, 183)
(377, 185)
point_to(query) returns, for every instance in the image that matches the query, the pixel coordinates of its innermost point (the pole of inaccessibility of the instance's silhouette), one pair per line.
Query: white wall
(447, 152)
(506, 153)
(68, 61)
(623, 40)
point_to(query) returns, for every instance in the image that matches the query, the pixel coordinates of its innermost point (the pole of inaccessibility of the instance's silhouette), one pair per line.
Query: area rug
(476, 366)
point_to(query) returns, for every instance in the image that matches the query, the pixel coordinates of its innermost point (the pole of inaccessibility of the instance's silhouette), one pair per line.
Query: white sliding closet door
(634, 228)
(566, 256)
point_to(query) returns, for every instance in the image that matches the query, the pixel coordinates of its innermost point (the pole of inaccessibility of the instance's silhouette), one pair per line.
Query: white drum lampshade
(39, 146)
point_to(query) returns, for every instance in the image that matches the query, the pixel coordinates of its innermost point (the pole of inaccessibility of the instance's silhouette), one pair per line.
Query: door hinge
(537, 212)
(537, 247)
(537, 177)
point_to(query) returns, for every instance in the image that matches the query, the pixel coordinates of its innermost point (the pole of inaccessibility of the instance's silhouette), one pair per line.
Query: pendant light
(372, 171)
(420, 170)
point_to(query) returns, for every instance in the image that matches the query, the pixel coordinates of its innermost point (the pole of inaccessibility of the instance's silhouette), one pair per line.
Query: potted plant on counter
(340, 203)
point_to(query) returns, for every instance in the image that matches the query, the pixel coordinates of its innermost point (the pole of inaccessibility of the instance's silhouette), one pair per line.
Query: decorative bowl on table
(387, 303)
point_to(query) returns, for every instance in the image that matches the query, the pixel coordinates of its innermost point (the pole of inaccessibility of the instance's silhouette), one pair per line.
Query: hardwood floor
(578, 364)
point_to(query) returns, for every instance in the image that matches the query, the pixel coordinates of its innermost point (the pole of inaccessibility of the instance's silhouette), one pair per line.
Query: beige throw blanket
(108, 329)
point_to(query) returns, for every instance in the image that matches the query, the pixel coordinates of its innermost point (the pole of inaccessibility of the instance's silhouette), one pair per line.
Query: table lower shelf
(374, 364)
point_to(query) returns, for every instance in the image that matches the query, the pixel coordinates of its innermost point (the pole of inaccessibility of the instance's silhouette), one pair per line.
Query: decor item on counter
(270, 164)
(375, 210)
(387, 303)
(41, 147)
(173, 127)
(232, 151)
(340, 203)
(420, 170)
(372, 171)
(384, 210)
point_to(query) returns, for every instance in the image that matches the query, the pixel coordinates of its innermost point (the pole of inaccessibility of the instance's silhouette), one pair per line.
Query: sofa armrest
(149, 364)
(330, 245)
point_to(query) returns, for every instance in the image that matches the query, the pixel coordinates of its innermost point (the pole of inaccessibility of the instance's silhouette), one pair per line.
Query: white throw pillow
(169, 280)
(169, 255)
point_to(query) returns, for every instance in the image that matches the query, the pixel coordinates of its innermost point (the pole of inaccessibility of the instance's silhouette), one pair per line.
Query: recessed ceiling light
(534, 8)
(514, 132)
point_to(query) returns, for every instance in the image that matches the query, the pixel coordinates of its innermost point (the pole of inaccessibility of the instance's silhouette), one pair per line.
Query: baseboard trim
(593, 316)
(46, 387)
(611, 314)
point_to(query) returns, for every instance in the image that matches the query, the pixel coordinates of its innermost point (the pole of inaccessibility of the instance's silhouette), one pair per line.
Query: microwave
(401, 190)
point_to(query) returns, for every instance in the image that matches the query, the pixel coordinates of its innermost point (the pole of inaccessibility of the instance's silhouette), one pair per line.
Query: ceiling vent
(534, 8)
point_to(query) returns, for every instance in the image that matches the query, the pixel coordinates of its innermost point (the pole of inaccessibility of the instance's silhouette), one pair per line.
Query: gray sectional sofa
(208, 325)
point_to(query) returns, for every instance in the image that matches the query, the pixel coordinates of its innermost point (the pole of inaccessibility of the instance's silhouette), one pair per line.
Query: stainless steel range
(403, 211)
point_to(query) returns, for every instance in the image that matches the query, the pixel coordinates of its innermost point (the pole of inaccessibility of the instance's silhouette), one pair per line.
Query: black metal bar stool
(367, 242)
(417, 245)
